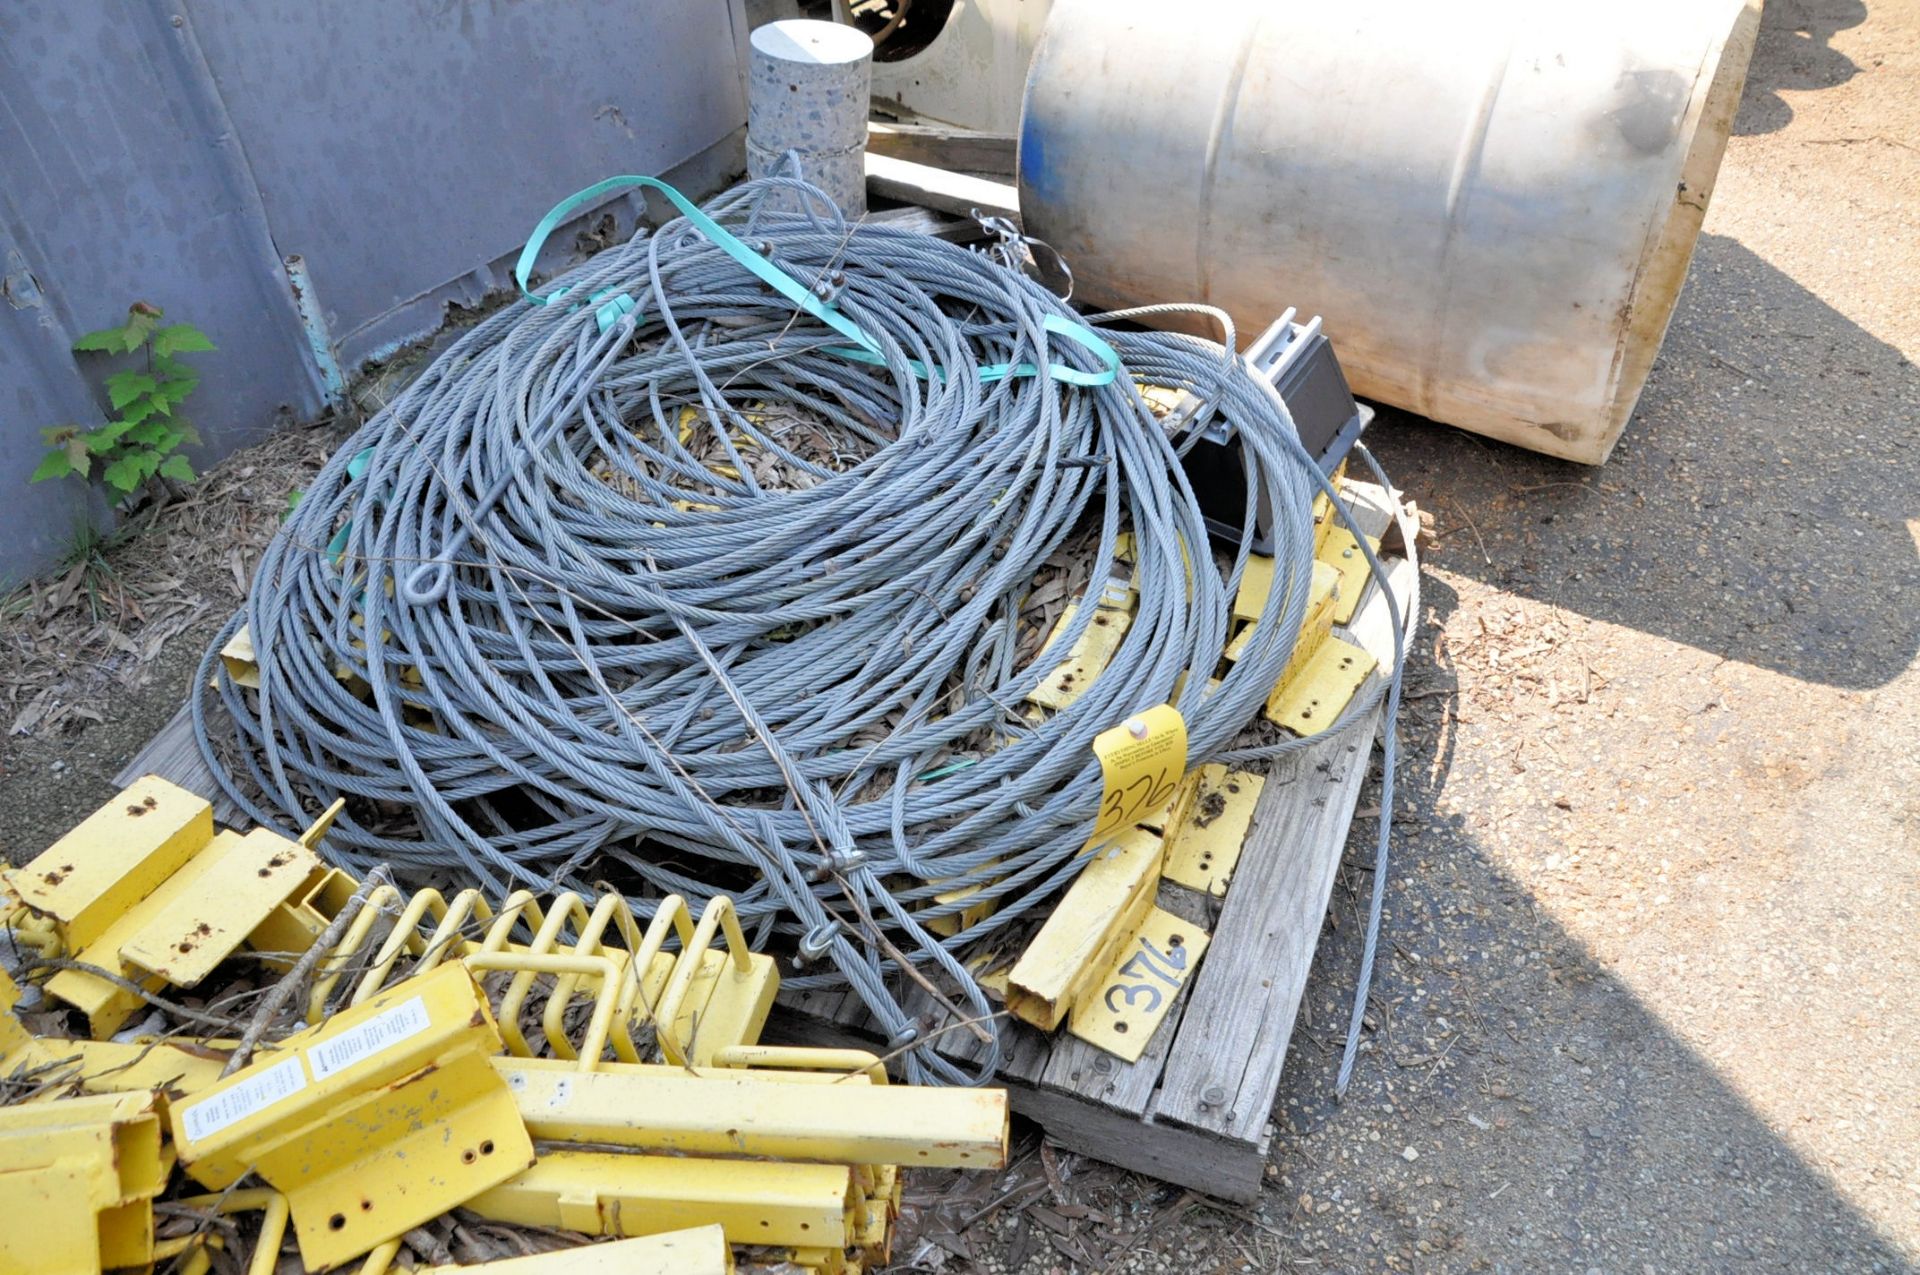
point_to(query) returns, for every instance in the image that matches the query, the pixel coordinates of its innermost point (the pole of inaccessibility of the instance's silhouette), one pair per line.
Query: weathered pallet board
(174, 755)
(960, 150)
(1197, 1108)
(940, 189)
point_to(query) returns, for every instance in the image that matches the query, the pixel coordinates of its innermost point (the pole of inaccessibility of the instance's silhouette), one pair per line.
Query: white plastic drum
(1492, 203)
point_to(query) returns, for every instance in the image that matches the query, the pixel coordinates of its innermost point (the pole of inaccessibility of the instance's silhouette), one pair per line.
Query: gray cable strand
(632, 646)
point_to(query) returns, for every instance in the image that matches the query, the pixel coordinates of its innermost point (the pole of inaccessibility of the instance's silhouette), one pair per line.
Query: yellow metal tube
(530, 963)
(450, 917)
(803, 1058)
(359, 931)
(273, 1209)
(381, 1259)
(761, 1114)
(700, 1250)
(612, 1193)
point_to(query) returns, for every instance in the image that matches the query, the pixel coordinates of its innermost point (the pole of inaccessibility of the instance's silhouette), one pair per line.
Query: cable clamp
(839, 863)
(815, 943)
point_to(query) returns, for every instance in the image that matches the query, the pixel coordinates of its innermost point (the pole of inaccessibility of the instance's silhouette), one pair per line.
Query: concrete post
(807, 92)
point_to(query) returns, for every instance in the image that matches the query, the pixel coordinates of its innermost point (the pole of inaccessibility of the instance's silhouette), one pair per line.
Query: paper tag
(381, 1032)
(1142, 761)
(256, 1093)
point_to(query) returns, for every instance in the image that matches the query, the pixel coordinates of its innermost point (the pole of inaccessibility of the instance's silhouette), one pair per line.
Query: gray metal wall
(397, 152)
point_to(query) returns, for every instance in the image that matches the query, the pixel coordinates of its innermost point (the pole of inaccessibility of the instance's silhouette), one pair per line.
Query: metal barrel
(1492, 203)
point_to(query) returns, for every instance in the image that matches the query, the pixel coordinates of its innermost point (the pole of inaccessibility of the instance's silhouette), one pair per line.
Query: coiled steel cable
(731, 687)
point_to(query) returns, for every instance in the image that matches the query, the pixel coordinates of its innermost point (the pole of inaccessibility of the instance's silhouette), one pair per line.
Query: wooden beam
(959, 150)
(174, 755)
(930, 187)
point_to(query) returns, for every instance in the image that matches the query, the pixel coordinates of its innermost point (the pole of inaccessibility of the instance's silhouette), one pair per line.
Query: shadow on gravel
(1794, 52)
(1556, 1123)
(1758, 506)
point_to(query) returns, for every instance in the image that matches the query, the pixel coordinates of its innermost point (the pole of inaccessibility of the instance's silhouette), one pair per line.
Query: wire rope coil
(549, 608)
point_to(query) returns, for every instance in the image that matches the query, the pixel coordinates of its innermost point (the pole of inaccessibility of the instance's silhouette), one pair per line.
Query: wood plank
(930, 187)
(1372, 625)
(174, 755)
(1225, 1168)
(960, 150)
(1225, 1068)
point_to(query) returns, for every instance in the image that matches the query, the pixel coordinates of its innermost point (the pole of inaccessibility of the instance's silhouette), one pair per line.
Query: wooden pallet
(1196, 1109)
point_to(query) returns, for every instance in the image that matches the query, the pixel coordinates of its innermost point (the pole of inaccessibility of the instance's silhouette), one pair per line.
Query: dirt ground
(1648, 1000)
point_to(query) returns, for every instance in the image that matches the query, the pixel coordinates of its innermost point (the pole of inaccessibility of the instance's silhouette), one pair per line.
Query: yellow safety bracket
(117, 856)
(1088, 658)
(1095, 920)
(841, 1116)
(381, 1118)
(716, 1000)
(1108, 960)
(616, 1193)
(77, 1181)
(699, 1250)
(290, 929)
(713, 997)
(1325, 671)
(1209, 826)
(146, 889)
(1133, 995)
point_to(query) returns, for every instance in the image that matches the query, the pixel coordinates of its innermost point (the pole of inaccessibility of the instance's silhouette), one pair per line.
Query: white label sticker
(381, 1032)
(255, 1093)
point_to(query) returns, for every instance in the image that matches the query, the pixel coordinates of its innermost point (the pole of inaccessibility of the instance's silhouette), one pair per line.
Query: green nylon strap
(866, 349)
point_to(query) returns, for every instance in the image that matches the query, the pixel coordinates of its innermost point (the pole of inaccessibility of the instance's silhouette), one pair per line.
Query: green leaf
(177, 468)
(140, 409)
(181, 338)
(103, 439)
(141, 320)
(53, 465)
(172, 391)
(150, 433)
(124, 387)
(124, 474)
(110, 340)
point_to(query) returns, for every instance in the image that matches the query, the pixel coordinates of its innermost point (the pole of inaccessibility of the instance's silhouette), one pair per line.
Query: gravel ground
(1648, 1001)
